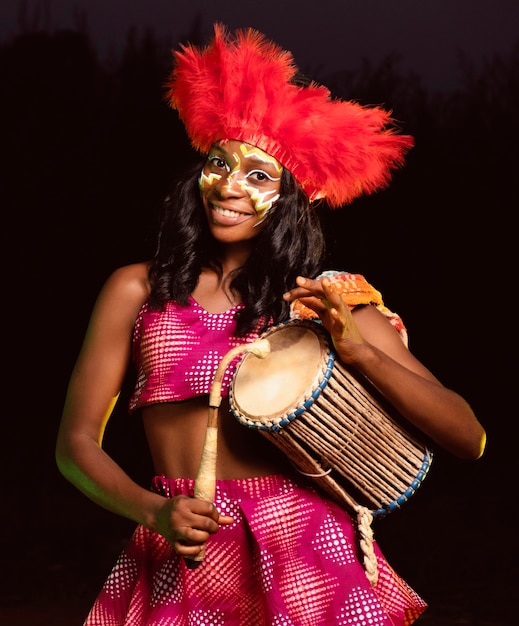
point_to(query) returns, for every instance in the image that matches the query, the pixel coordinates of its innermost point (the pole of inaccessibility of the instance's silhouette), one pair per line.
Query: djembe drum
(334, 427)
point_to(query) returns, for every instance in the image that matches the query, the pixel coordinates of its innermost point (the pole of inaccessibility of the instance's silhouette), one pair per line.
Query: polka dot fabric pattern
(176, 351)
(288, 559)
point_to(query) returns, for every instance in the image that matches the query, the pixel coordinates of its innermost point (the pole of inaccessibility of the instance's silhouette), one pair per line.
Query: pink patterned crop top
(176, 351)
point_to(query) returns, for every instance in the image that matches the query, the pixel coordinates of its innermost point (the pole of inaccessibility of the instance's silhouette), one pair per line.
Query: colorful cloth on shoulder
(288, 559)
(354, 290)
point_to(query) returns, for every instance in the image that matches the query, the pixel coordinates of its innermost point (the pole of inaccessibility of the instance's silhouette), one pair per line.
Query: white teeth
(225, 212)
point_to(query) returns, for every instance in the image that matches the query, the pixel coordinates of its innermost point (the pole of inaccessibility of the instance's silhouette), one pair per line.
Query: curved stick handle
(205, 483)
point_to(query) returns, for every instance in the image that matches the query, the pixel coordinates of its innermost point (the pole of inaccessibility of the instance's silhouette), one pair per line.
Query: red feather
(239, 88)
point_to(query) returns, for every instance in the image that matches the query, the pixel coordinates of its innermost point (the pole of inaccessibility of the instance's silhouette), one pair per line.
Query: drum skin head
(275, 386)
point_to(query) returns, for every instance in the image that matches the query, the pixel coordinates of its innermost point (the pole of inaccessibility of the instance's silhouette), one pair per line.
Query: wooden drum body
(334, 428)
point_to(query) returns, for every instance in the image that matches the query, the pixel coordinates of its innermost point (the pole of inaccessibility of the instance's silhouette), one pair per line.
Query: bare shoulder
(369, 318)
(375, 327)
(129, 281)
(377, 330)
(124, 292)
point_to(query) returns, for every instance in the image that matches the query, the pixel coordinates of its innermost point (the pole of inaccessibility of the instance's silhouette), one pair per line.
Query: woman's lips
(224, 216)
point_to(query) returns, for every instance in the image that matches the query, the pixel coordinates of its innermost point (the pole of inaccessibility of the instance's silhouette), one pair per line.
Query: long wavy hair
(291, 243)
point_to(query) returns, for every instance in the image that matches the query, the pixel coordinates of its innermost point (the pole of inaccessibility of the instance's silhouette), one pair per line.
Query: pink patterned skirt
(288, 559)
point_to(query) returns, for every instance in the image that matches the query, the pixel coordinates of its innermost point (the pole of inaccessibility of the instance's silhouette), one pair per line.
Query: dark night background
(88, 151)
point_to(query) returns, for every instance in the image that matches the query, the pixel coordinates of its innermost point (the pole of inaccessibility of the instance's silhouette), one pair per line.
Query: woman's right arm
(94, 385)
(93, 388)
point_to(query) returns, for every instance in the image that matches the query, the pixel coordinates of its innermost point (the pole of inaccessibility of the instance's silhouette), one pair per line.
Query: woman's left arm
(364, 339)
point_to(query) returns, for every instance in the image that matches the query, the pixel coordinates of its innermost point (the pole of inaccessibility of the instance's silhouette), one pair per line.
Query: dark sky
(334, 34)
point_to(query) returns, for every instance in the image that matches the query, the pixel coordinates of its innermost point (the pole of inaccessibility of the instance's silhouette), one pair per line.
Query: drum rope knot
(364, 520)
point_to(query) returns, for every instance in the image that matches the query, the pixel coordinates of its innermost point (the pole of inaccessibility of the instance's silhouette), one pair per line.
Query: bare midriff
(175, 432)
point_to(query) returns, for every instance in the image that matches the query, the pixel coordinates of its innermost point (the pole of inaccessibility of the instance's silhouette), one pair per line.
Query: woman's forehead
(240, 151)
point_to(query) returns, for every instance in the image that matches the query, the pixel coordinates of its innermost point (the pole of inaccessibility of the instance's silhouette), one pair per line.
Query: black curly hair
(291, 243)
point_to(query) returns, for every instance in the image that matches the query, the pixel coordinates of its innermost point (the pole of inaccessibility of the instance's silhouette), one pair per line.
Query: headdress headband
(239, 87)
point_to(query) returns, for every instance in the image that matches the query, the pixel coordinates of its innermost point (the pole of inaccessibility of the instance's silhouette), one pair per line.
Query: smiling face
(239, 184)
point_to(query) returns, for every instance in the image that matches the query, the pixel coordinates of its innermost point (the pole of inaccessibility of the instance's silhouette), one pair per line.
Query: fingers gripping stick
(205, 482)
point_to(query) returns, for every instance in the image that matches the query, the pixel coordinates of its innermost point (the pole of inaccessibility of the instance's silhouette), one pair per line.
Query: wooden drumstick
(205, 483)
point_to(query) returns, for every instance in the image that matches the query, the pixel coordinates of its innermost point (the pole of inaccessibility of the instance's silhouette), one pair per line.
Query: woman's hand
(335, 315)
(188, 522)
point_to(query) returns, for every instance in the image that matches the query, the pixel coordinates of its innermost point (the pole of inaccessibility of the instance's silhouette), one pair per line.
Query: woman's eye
(217, 162)
(259, 175)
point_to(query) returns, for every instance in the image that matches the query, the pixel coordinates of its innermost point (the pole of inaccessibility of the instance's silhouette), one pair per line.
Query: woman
(239, 246)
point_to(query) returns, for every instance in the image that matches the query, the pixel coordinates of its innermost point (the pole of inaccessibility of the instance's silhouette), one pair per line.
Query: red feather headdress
(239, 87)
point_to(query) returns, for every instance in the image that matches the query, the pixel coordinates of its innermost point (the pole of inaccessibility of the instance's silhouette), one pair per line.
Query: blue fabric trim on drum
(410, 491)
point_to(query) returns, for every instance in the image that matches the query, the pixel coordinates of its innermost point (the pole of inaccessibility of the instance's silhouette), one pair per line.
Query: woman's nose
(229, 186)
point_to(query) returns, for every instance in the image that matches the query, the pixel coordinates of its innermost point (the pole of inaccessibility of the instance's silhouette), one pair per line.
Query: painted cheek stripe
(207, 180)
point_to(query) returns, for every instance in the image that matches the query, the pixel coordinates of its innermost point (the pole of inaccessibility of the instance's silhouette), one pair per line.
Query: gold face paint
(254, 171)
(207, 180)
